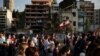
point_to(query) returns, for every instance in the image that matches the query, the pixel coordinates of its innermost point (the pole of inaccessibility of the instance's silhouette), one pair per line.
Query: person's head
(36, 52)
(37, 36)
(23, 37)
(57, 44)
(84, 36)
(2, 34)
(46, 37)
(14, 36)
(65, 51)
(31, 43)
(9, 36)
(82, 54)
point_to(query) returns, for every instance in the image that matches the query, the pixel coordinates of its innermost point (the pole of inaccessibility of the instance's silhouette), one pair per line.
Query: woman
(21, 49)
(31, 50)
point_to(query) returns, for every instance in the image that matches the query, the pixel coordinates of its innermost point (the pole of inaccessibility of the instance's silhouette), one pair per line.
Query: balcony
(36, 17)
(80, 23)
(40, 9)
(37, 12)
(36, 25)
(41, 4)
(37, 8)
(40, 1)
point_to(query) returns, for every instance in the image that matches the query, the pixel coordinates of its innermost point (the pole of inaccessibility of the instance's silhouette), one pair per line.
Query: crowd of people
(80, 44)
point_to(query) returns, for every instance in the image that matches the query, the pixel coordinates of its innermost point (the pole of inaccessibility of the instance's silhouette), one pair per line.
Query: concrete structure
(84, 10)
(81, 17)
(72, 14)
(9, 4)
(37, 14)
(5, 18)
(88, 8)
(54, 8)
(97, 18)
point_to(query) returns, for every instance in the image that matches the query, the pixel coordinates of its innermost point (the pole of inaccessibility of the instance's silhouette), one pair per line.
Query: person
(94, 45)
(2, 38)
(35, 39)
(20, 51)
(51, 46)
(9, 40)
(80, 45)
(56, 49)
(32, 50)
(11, 50)
(65, 51)
(46, 44)
(82, 54)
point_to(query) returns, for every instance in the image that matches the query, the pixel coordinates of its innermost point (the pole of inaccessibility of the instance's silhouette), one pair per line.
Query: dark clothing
(79, 47)
(3, 51)
(67, 42)
(30, 51)
(11, 50)
(55, 52)
(91, 38)
(94, 45)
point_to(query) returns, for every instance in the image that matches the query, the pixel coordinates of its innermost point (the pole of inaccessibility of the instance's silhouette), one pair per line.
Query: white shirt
(1, 40)
(46, 44)
(35, 40)
(82, 54)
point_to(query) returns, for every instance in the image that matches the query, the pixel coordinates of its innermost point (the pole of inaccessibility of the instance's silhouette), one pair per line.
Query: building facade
(5, 19)
(9, 4)
(54, 8)
(72, 14)
(97, 18)
(88, 8)
(37, 15)
(78, 15)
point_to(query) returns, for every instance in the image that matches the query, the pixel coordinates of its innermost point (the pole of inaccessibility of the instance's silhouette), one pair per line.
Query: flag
(62, 24)
(67, 22)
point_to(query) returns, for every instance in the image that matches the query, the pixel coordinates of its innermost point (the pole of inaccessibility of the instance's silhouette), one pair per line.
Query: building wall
(9, 4)
(9, 18)
(54, 9)
(97, 18)
(5, 18)
(73, 18)
(37, 14)
(88, 8)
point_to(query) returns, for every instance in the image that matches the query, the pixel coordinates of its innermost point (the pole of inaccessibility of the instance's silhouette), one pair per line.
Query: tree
(55, 22)
(20, 17)
(21, 20)
(87, 25)
(66, 3)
